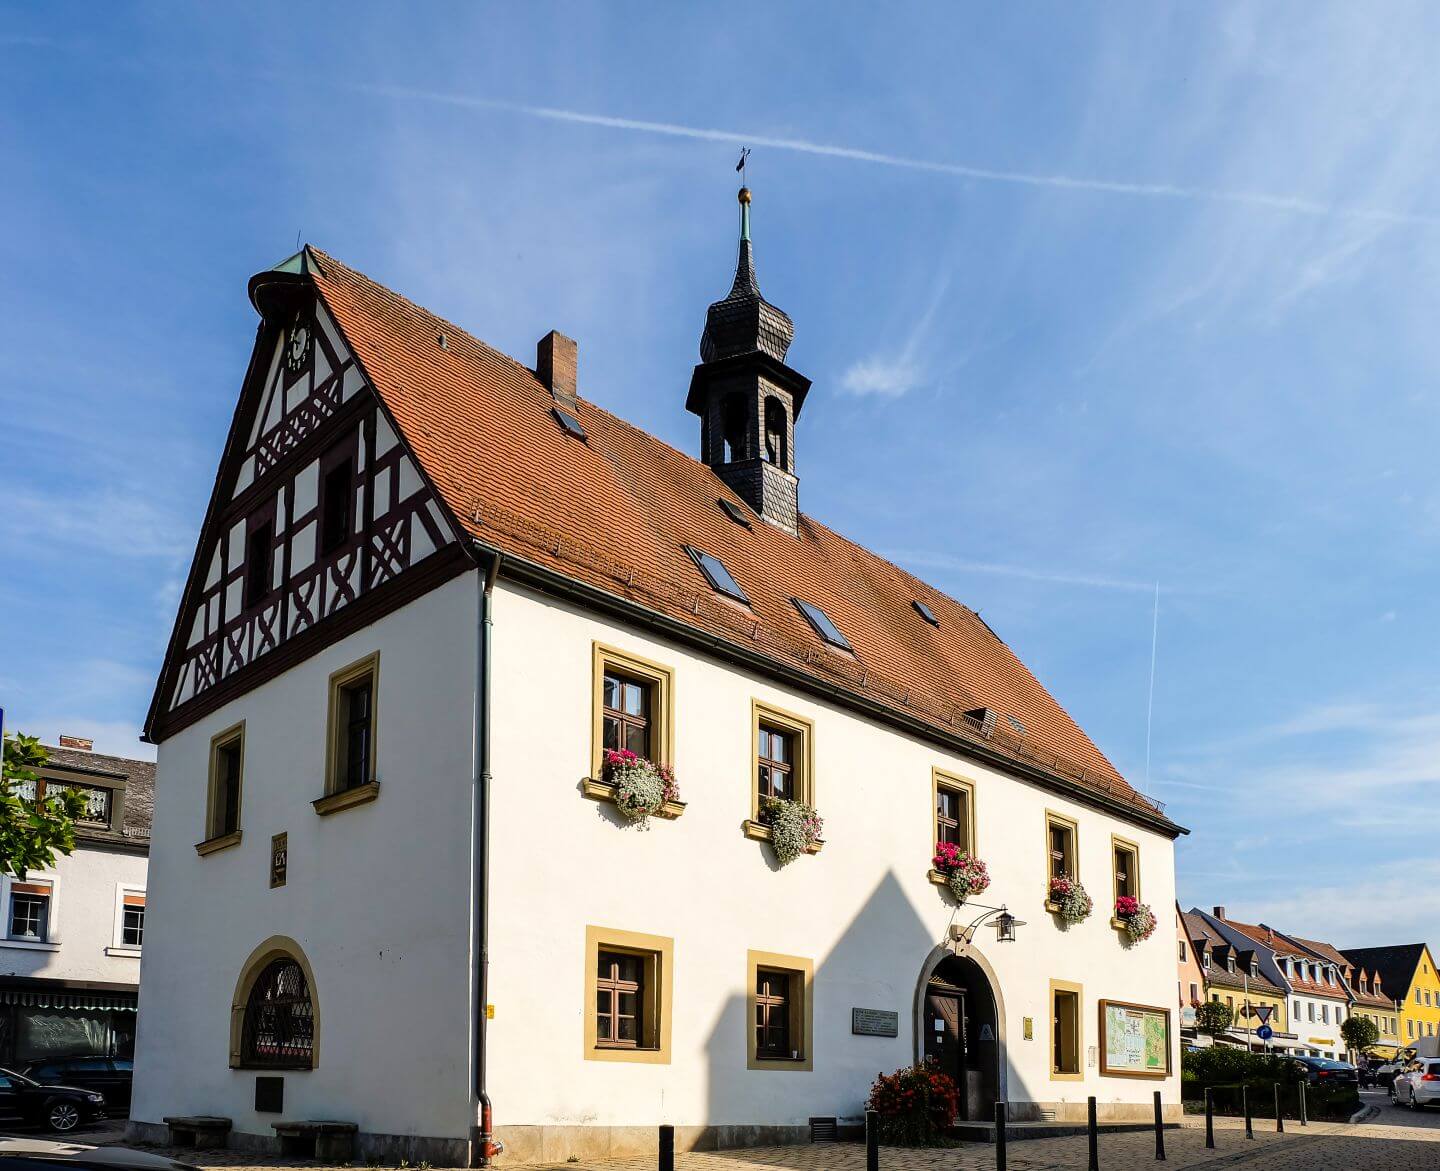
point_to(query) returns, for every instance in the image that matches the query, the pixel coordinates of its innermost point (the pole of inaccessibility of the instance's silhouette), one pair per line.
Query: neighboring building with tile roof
(71, 945)
(1409, 974)
(433, 588)
(1235, 972)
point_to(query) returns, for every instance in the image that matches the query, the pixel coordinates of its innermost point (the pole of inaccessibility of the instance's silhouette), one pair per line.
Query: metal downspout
(483, 1146)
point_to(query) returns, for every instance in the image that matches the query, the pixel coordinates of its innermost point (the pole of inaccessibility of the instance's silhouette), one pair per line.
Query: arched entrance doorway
(960, 1029)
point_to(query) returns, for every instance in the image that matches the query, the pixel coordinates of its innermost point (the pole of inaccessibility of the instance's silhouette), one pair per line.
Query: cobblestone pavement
(1391, 1142)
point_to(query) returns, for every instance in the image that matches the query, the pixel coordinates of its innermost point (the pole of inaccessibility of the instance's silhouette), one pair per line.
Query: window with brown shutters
(619, 1000)
(627, 704)
(772, 1016)
(775, 763)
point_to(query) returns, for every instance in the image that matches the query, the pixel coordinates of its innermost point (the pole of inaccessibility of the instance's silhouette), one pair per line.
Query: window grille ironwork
(278, 1030)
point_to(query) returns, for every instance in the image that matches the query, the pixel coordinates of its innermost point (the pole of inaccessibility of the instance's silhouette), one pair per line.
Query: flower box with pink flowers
(640, 789)
(959, 871)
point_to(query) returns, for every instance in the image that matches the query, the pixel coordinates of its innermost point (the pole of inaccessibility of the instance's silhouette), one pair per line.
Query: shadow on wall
(882, 961)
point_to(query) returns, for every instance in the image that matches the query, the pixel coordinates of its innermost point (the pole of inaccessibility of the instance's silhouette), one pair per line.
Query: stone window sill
(605, 791)
(346, 798)
(223, 842)
(130, 953)
(29, 945)
(758, 831)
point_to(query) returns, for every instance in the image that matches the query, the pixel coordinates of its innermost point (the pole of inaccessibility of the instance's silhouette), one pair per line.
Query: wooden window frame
(661, 680)
(801, 1006)
(1052, 819)
(214, 838)
(1078, 991)
(1117, 844)
(657, 985)
(802, 769)
(940, 779)
(345, 449)
(336, 796)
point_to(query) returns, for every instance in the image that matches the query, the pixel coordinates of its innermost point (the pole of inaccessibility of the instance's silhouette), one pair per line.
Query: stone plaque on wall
(874, 1022)
(279, 859)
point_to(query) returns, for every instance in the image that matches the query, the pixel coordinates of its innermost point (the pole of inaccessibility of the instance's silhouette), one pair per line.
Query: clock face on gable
(299, 344)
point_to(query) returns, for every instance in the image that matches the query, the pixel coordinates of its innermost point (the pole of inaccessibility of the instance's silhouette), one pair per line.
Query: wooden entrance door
(945, 1040)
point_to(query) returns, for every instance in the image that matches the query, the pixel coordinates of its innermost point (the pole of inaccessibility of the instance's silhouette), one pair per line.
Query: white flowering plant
(641, 786)
(1071, 902)
(794, 827)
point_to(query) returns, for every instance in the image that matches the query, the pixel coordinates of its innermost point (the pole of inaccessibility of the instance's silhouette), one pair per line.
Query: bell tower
(747, 398)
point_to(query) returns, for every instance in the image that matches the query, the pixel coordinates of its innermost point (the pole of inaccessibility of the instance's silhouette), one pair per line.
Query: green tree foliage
(1359, 1033)
(33, 832)
(1213, 1017)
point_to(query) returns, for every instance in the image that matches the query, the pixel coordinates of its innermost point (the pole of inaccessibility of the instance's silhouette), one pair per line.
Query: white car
(1418, 1084)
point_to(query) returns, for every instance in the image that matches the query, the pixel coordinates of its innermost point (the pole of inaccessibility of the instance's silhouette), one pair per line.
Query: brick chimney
(79, 743)
(557, 358)
(1219, 912)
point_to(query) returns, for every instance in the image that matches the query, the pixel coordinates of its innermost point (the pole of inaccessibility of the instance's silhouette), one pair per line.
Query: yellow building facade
(1420, 1016)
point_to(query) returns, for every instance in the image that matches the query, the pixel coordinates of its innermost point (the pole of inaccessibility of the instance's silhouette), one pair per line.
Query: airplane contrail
(1282, 203)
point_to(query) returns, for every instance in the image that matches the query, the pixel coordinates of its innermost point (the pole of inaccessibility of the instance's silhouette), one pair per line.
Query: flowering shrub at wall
(1072, 904)
(916, 1106)
(794, 827)
(1138, 918)
(641, 786)
(964, 873)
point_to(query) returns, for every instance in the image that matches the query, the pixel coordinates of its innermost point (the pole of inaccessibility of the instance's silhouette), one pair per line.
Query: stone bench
(201, 1131)
(329, 1142)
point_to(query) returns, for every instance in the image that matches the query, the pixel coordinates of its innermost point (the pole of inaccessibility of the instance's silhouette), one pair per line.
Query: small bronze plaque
(279, 859)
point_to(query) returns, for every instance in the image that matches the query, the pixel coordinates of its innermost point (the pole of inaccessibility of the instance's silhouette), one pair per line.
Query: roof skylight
(717, 575)
(1014, 723)
(734, 512)
(569, 422)
(925, 612)
(822, 624)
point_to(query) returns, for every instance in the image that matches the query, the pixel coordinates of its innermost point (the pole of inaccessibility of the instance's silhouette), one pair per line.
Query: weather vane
(740, 166)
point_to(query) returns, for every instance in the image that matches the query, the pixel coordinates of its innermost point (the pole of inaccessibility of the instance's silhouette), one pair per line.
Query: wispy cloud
(107, 522)
(893, 375)
(1294, 205)
(964, 565)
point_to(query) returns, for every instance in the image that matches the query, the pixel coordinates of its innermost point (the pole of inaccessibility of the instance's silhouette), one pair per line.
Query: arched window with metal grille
(278, 1029)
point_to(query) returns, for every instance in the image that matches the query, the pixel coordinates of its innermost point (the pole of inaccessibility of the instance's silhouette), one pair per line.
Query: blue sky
(1094, 296)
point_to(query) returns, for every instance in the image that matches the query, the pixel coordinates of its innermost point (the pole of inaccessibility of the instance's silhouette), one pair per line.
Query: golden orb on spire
(744, 195)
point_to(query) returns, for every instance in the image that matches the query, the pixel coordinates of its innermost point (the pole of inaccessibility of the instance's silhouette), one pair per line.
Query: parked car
(1418, 1085)
(61, 1108)
(110, 1076)
(32, 1154)
(1324, 1071)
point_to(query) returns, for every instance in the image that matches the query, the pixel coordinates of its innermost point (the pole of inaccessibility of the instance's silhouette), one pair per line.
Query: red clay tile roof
(1291, 945)
(613, 513)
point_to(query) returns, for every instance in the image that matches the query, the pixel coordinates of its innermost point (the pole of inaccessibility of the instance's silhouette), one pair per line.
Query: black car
(110, 1076)
(61, 1108)
(1322, 1071)
(23, 1155)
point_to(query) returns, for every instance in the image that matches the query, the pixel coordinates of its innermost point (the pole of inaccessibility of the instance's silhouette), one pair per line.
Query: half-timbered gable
(318, 504)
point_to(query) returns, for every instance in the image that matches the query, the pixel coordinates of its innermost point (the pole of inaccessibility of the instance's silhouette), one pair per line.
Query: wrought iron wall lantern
(1005, 925)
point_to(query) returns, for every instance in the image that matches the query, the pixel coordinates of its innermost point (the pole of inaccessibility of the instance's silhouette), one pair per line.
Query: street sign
(1263, 1011)
(1264, 1032)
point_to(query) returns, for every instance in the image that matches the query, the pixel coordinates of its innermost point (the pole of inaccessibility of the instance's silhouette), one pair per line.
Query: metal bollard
(1000, 1136)
(1159, 1130)
(667, 1148)
(1094, 1134)
(1245, 1106)
(872, 1141)
(1210, 1117)
(1279, 1112)
(1304, 1118)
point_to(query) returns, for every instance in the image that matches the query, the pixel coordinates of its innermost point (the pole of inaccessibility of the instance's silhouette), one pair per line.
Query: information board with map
(1134, 1040)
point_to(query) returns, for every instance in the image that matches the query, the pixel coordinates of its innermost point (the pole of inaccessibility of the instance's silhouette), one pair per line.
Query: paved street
(1395, 1140)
